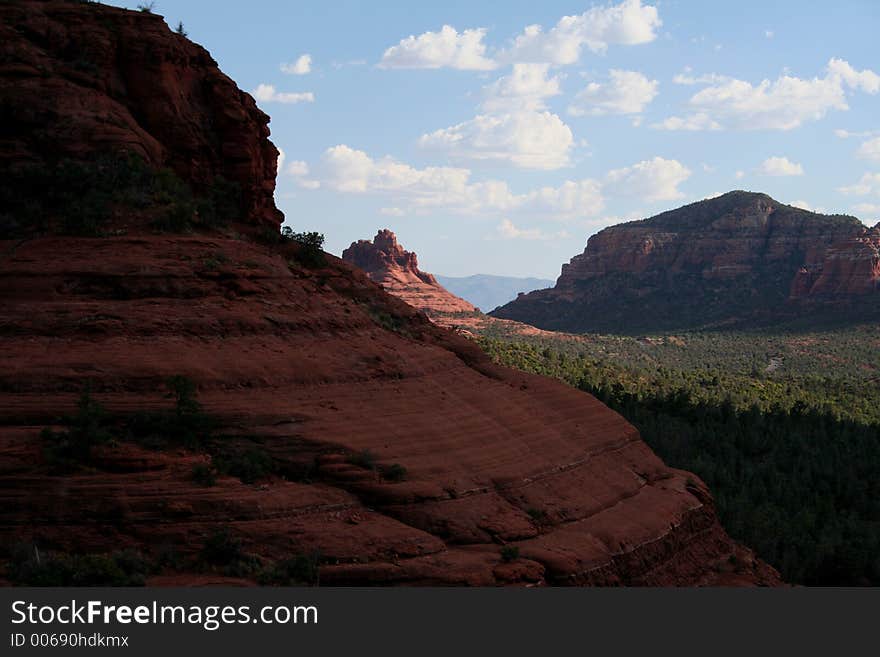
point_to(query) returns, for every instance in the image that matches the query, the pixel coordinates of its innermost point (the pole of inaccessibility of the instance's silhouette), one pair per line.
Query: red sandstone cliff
(397, 271)
(713, 262)
(81, 78)
(849, 268)
(308, 365)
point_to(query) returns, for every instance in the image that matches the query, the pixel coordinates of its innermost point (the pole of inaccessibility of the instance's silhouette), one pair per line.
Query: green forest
(783, 427)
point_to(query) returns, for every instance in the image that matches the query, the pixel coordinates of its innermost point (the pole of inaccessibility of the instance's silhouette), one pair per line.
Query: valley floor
(783, 426)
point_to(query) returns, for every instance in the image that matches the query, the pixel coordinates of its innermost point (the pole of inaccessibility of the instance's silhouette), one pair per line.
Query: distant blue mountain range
(487, 292)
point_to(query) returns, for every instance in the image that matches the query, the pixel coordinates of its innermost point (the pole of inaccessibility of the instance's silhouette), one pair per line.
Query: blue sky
(490, 146)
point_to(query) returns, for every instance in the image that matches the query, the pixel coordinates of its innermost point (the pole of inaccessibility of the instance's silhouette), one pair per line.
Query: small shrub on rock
(509, 553)
(85, 430)
(203, 474)
(365, 459)
(394, 472)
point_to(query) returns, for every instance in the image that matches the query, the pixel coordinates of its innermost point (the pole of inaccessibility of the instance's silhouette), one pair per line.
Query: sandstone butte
(310, 365)
(739, 256)
(397, 271)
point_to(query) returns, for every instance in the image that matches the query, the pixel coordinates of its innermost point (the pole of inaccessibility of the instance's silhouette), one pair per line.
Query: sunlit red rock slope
(311, 366)
(397, 271)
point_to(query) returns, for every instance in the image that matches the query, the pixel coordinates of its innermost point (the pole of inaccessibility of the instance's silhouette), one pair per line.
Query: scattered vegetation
(311, 244)
(204, 475)
(215, 261)
(224, 551)
(249, 466)
(537, 515)
(221, 548)
(30, 567)
(181, 30)
(146, 7)
(300, 570)
(783, 427)
(509, 553)
(365, 459)
(185, 424)
(394, 472)
(388, 321)
(74, 197)
(72, 447)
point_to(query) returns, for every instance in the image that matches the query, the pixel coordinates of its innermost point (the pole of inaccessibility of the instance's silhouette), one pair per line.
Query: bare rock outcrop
(397, 271)
(78, 79)
(849, 268)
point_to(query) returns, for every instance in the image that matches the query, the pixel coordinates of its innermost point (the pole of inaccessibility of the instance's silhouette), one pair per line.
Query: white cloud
(694, 122)
(768, 34)
(628, 23)
(392, 212)
(450, 189)
(870, 150)
(351, 62)
(416, 191)
(709, 78)
(524, 89)
(613, 220)
(582, 198)
(508, 231)
(279, 166)
(266, 93)
(867, 208)
(865, 80)
(653, 180)
(780, 166)
(626, 92)
(784, 104)
(444, 49)
(299, 170)
(803, 205)
(301, 66)
(846, 134)
(527, 139)
(867, 184)
(740, 175)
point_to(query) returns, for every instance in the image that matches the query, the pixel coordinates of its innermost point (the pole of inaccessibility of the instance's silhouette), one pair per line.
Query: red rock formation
(309, 365)
(849, 268)
(319, 365)
(80, 78)
(397, 271)
(715, 261)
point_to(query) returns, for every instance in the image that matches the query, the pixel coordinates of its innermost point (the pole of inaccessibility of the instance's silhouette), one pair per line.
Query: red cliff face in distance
(735, 258)
(348, 427)
(397, 271)
(848, 268)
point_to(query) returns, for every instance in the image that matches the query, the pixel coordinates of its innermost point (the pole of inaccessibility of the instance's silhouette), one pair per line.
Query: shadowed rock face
(78, 79)
(310, 365)
(713, 262)
(303, 362)
(397, 271)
